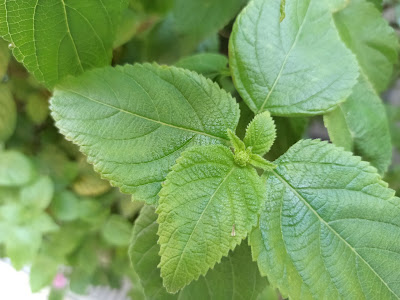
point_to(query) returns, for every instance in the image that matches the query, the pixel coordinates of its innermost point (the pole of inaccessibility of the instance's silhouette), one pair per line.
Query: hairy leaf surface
(133, 122)
(236, 277)
(297, 66)
(58, 38)
(207, 206)
(330, 227)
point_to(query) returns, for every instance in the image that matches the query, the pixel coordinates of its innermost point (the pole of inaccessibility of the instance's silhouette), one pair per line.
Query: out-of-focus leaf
(37, 108)
(15, 169)
(65, 206)
(43, 271)
(38, 194)
(8, 113)
(117, 231)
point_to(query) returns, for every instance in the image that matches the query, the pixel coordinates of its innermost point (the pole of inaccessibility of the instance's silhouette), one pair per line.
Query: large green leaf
(55, 39)
(207, 206)
(330, 227)
(8, 113)
(134, 121)
(290, 67)
(360, 124)
(200, 18)
(236, 277)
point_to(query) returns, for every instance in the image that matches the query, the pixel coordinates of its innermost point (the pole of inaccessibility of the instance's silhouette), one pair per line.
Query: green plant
(210, 171)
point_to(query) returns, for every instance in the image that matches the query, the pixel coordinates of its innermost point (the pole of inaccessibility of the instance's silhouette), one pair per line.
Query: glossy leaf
(207, 206)
(8, 113)
(291, 67)
(330, 227)
(236, 277)
(260, 134)
(134, 121)
(56, 39)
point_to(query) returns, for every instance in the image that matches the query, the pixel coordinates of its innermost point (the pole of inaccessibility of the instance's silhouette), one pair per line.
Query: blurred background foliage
(56, 214)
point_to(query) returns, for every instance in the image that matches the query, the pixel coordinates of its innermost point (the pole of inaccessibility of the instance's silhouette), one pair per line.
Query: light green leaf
(207, 206)
(15, 169)
(200, 18)
(337, 5)
(236, 277)
(4, 57)
(261, 133)
(65, 206)
(153, 6)
(42, 273)
(117, 231)
(377, 3)
(38, 194)
(360, 125)
(43, 223)
(56, 39)
(211, 65)
(291, 67)
(376, 53)
(8, 113)
(133, 122)
(330, 227)
(92, 211)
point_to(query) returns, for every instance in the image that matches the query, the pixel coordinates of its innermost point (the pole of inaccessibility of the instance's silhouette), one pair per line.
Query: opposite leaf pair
(210, 202)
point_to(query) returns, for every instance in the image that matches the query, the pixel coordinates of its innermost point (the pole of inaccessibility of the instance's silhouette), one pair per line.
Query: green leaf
(133, 122)
(211, 65)
(377, 3)
(330, 227)
(291, 67)
(91, 211)
(37, 108)
(207, 206)
(4, 58)
(376, 53)
(42, 273)
(8, 113)
(337, 5)
(65, 206)
(54, 40)
(261, 133)
(117, 231)
(200, 18)
(153, 6)
(38, 194)
(236, 277)
(360, 125)
(15, 169)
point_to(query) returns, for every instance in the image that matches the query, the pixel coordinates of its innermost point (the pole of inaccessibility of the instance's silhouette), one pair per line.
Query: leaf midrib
(147, 118)
(286, 59)
(283, 180)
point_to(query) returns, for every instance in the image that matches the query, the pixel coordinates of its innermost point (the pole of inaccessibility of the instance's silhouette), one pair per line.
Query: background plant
(209, 160)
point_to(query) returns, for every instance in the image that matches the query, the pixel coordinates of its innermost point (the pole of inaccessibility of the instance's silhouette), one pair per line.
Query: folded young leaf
(290, 67)
(236, 277)
(133, 122)
(334, 224)
(376, 53)
(361, 125)
(260, 134)
(8, 113)
(207, 206)
(56, 39)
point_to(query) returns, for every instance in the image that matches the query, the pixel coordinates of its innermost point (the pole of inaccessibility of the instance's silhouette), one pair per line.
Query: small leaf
(42, 273)
(293, 67)
(330, 227)
(236, 142)
(92, 212)
(259, 162)
(261, 133)
(117, 231)
(57, 39)
(37, 108)
(211, 65)
(337, 5)
(38, 194)
(8, 113)
(15, 169)
(65, 206)
(133, 122)
(236, 277)
(204, 196)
